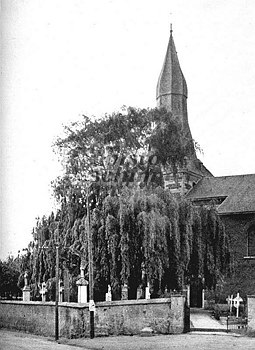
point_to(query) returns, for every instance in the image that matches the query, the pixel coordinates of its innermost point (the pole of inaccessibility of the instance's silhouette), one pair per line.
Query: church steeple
(171, 80)
(172, 94)
(172, 89)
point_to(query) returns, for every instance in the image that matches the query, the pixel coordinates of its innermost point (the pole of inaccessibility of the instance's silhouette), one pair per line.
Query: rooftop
(237, 192)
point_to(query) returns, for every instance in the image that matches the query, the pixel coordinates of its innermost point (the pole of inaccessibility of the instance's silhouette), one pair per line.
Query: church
(233, 196)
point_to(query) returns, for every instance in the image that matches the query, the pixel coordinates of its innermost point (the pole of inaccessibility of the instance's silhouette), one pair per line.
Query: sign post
(57, 287)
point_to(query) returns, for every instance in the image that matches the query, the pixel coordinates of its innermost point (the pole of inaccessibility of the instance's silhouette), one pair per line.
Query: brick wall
(236, 228)
(242, 274)
(111, 318)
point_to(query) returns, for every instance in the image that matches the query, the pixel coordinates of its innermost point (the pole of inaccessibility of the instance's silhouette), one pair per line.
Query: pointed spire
(172, 89)
(171, 79)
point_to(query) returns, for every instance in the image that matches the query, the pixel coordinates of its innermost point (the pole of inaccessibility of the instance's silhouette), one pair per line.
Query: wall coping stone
(98, 304)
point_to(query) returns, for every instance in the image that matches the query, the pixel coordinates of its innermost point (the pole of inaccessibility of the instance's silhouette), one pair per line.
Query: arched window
(251, 241)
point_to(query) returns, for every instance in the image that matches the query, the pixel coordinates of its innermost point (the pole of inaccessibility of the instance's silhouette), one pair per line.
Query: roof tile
(239, 191)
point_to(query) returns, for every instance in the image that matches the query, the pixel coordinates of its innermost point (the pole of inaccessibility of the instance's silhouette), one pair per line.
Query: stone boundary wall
(164, 316)
(251, 312)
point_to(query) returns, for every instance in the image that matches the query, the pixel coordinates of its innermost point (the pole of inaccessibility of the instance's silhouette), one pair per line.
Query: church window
(251, 241)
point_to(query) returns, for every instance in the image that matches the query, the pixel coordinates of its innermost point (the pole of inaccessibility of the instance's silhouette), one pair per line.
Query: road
(199, 341)
(20, 341)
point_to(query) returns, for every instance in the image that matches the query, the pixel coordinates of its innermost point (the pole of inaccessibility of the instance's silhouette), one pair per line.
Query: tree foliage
(10, 270)
(172, 240)
(135, 223)
(124, 148)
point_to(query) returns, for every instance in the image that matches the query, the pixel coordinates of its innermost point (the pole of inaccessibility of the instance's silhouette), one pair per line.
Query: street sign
(92, 306)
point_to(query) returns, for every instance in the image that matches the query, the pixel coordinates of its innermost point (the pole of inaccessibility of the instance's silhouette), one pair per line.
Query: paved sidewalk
(188, 341)
(22, 341)
(202, 320)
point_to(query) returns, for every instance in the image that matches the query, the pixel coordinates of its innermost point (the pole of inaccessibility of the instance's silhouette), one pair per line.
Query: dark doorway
(196, 288)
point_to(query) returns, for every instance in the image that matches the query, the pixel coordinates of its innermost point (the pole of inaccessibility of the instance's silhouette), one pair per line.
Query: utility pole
(57, 284)
(91, 279)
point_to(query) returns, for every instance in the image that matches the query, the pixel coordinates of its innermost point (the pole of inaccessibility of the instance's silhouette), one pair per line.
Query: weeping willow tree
(169, 238)
(137, 230)
(136, 225)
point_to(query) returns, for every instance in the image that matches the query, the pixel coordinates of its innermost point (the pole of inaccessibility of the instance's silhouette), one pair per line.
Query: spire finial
(171, 28)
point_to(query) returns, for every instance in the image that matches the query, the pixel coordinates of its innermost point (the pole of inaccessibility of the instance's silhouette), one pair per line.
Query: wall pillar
(26, 292)
(251, 312)
(82, 287)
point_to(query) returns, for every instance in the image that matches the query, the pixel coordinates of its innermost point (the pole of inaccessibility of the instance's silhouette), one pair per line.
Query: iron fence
(236, 323)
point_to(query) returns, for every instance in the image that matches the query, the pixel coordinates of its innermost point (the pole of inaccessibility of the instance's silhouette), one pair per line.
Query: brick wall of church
(242, 272)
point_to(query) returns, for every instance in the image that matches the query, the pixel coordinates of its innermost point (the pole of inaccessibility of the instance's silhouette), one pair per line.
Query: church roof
(171, 79)
(237, 193)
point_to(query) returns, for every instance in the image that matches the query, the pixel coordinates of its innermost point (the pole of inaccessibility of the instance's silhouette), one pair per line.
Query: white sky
(63, 58)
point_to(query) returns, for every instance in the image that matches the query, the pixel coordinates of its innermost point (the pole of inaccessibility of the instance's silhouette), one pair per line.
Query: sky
(61, 59)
